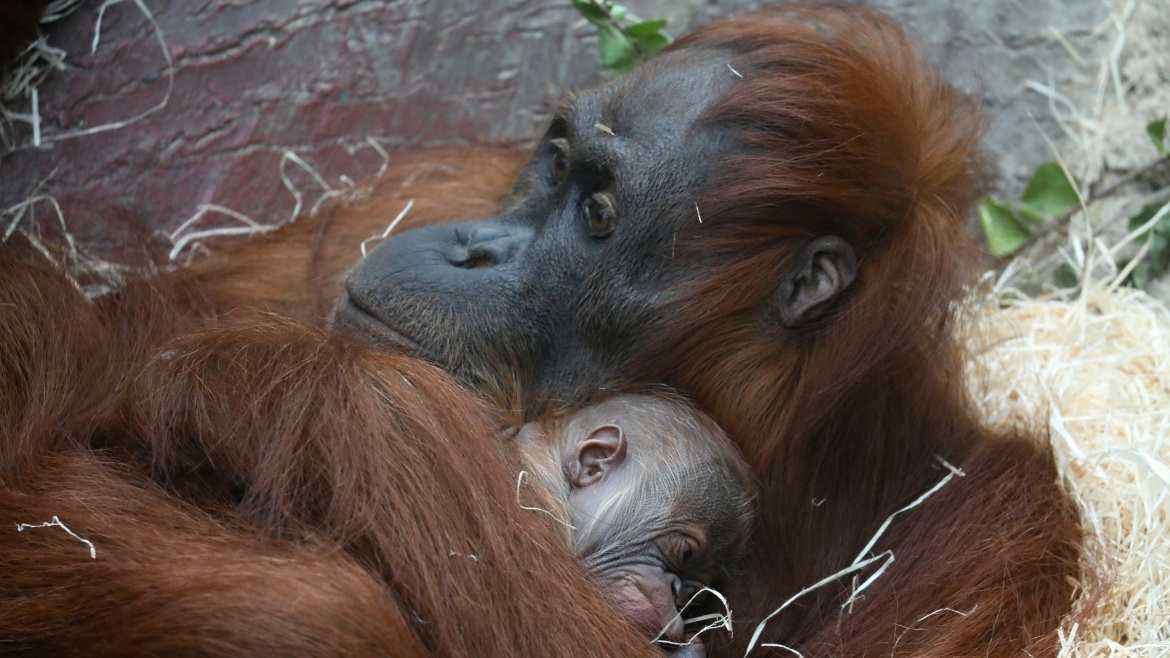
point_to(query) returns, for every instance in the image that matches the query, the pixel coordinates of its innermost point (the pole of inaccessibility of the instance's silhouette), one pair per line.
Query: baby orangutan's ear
(601, 450)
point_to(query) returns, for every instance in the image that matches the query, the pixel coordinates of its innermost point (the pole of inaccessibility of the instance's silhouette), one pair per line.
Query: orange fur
(169, 580)
(852, 135)
(368, 481)
(298, 271)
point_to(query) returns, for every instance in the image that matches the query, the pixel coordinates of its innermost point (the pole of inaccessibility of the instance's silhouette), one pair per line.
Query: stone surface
(254, 79)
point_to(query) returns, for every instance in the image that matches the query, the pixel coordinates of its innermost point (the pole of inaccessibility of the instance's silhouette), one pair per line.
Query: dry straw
(1096, 368)
(1093, 364)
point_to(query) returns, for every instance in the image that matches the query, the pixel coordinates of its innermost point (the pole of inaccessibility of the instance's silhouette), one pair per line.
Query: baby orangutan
(656, 499)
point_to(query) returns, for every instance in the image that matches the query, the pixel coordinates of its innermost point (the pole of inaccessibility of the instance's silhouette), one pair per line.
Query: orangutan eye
(602, 216)
(688, 548)
(560, 161)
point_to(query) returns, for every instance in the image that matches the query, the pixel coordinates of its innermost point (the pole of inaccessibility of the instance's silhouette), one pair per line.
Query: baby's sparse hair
(689, 469)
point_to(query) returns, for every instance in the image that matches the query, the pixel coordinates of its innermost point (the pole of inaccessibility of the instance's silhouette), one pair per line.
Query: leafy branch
(622, 45)
(1050, 199)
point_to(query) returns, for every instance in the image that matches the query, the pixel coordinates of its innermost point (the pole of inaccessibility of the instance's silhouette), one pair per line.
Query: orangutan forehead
(658, 102)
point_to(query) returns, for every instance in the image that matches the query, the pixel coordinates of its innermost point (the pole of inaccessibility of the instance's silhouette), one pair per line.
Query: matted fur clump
(1095, 367)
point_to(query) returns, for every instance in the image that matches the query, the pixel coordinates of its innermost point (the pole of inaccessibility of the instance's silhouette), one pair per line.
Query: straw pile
(1093, 364)
(1095, 367)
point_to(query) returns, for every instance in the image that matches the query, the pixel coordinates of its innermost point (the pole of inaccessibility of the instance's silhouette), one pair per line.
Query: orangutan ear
(596, 455)
(820, 272)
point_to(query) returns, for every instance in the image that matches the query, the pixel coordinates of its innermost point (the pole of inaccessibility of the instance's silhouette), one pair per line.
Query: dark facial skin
(560, 288)
(557, 294)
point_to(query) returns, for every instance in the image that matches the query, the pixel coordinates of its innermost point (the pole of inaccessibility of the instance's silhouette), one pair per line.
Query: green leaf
(617, 53)
(1005, 234)
(1157, 132)
(1159, 256)
(651, 44)
(1157, 259)
(1140, 276)
(617, 13)
(646, 36)
(592, 11)
(1065, 277)
(1025, 213)
(1145, 215)
(1050, 193)
(646, 29)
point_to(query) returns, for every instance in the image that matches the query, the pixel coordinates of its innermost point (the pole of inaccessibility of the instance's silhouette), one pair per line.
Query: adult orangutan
(767, 216)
